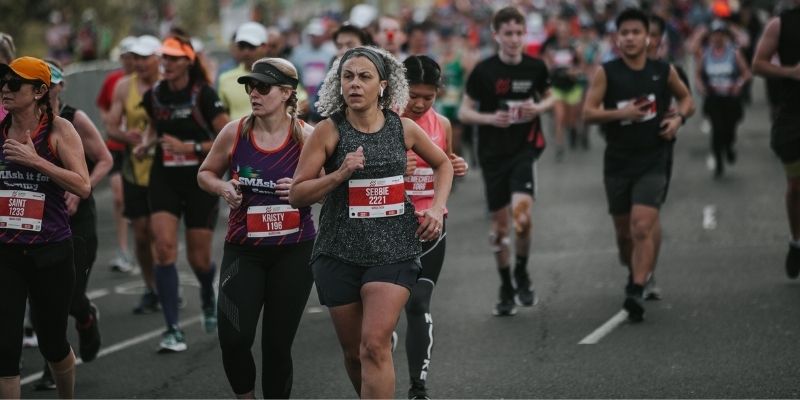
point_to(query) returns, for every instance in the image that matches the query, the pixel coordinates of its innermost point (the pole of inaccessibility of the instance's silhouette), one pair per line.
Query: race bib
(21, 209)
(421, 183)
(376, 198)
(651, 110)
(171, 159)
(269, 221)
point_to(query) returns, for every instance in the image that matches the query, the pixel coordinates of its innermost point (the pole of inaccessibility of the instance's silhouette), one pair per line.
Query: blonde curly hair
(394, 97)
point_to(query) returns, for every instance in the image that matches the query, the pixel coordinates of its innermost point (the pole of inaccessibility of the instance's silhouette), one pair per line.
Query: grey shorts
(339, 283)
(622, 192)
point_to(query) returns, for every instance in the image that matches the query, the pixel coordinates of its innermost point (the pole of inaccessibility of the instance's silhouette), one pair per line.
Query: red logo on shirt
(502, 86)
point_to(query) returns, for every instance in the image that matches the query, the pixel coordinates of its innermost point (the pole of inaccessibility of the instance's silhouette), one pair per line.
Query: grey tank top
(368, 220)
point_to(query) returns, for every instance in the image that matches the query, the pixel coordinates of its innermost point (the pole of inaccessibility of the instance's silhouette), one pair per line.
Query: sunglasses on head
(14, 84)
(245, 46)
(261, 87)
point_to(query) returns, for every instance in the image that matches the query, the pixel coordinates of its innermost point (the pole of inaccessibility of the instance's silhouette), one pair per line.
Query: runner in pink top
(424, 79)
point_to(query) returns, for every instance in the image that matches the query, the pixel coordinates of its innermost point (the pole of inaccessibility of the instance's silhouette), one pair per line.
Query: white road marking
(709, 217)
(97, 293)
(314, 310)
(606, 328)
(120, 346)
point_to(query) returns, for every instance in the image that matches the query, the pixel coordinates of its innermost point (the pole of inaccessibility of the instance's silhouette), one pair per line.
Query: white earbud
(381, 92)
(341, 91)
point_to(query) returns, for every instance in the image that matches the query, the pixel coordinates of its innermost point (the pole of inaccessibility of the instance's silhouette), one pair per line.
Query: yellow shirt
(232, 94)
(136, 170)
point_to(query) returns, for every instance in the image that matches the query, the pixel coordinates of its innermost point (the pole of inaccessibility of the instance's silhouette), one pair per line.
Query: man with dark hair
(782, 37)
(504, 96)
(631, 97)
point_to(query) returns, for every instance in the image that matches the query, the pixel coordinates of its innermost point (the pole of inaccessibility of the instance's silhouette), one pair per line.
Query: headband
(372, 55)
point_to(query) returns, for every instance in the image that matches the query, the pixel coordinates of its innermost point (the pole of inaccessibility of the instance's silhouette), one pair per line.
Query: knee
(420, 300)
(54, 350)
(498, 238)
(200, 260)
(375, 349)
(165, 249)
(641, 229)
(352, 358)
(522, 218)
(233, 342)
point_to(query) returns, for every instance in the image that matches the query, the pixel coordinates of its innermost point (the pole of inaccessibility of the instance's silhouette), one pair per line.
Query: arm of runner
(685, 105)
(698, 75)
(432, 218)
(767, 47)
(744, 73)
(216, 163)
(74, 176)
(460, 165)
(468, 113)
(94, 147)
(116, 113)
(308, 186)
(593, 111)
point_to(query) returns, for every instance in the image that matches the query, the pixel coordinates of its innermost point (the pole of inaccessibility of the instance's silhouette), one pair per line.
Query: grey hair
(394, 97)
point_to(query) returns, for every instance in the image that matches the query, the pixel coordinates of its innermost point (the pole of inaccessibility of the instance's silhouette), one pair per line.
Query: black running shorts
(648, 189)
(504, 176)
(118, 156)
(178, 194)
(134, 200)
(339, 283)
(785, 137)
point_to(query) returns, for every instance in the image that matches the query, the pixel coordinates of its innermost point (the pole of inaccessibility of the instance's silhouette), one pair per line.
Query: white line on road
(120, 346)
(97, 293)
(606, 328)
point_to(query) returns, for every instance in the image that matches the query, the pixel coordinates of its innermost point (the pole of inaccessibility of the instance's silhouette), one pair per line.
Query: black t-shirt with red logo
(493, 84)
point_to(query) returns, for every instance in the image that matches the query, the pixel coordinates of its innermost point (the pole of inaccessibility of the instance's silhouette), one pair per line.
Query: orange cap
(176, 48)
(29, 68)
(721, 9)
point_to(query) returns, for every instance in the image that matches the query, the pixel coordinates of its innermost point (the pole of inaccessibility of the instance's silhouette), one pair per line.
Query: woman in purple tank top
(268, 246)
(42, 158)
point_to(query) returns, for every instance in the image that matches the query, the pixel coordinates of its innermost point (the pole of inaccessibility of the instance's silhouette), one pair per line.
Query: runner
(123, 261)
(566, 65)
(721, 74)
(630, 97)
(126, 123)
(505, 95)
(366, 258)
(185, 115)
(425, 79)
(82, 223)
(7, 54)
(782, 37)
(42, 158)
(251, 44)
(268, 246)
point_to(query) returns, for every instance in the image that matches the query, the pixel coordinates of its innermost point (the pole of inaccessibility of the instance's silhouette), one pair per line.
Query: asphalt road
(728, 325)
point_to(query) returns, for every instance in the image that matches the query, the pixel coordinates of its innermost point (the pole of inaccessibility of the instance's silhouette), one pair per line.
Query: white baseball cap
(315, 27)
(126, 44)
(146, 45)
(251, 32)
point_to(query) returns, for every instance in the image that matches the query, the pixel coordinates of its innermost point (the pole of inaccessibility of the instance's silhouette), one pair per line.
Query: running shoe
(148, 304)
(46, 382)
(525, 295)
(634, 305)
(29, 339)
(172, 341)
(210, 319)
(418, 392)
(89, 335)
(506, 306)
(651, 291)
(122, 263)
(793, 262)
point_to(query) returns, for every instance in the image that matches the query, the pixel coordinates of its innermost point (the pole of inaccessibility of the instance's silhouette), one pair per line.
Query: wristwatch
(198, 149)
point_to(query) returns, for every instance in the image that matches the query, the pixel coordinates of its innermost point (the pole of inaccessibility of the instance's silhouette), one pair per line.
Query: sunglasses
(245, 46)
(261, 87)
(14, 84)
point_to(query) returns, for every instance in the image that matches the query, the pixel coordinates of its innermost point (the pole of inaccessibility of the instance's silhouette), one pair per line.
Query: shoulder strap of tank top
(197, 114)
(68, 113)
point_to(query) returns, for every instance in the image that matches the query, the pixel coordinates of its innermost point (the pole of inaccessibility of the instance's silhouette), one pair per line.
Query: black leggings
(419, 334)
(724, 114)
(84, 241)
(46, 274)
(277, 279)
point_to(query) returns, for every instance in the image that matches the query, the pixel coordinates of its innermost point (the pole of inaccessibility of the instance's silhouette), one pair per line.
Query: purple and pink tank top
(32, 206)
(263, 219)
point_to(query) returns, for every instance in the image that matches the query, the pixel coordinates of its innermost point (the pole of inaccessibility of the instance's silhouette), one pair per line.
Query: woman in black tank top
(366, 256)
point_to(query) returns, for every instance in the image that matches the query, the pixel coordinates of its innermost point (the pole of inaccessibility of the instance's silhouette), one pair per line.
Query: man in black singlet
(630, 97)
(782, 37)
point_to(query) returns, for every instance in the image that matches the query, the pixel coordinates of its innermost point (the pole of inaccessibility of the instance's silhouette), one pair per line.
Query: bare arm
(209, 177)
(745, 75)
(468, 113)
(593, 111)
(93, 147)
(308, 186)
(115, 114)
(681, 93)
(767, 47)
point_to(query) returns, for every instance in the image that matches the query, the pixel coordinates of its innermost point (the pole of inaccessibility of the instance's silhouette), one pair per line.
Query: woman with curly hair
(366, 257)
(268, 246)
